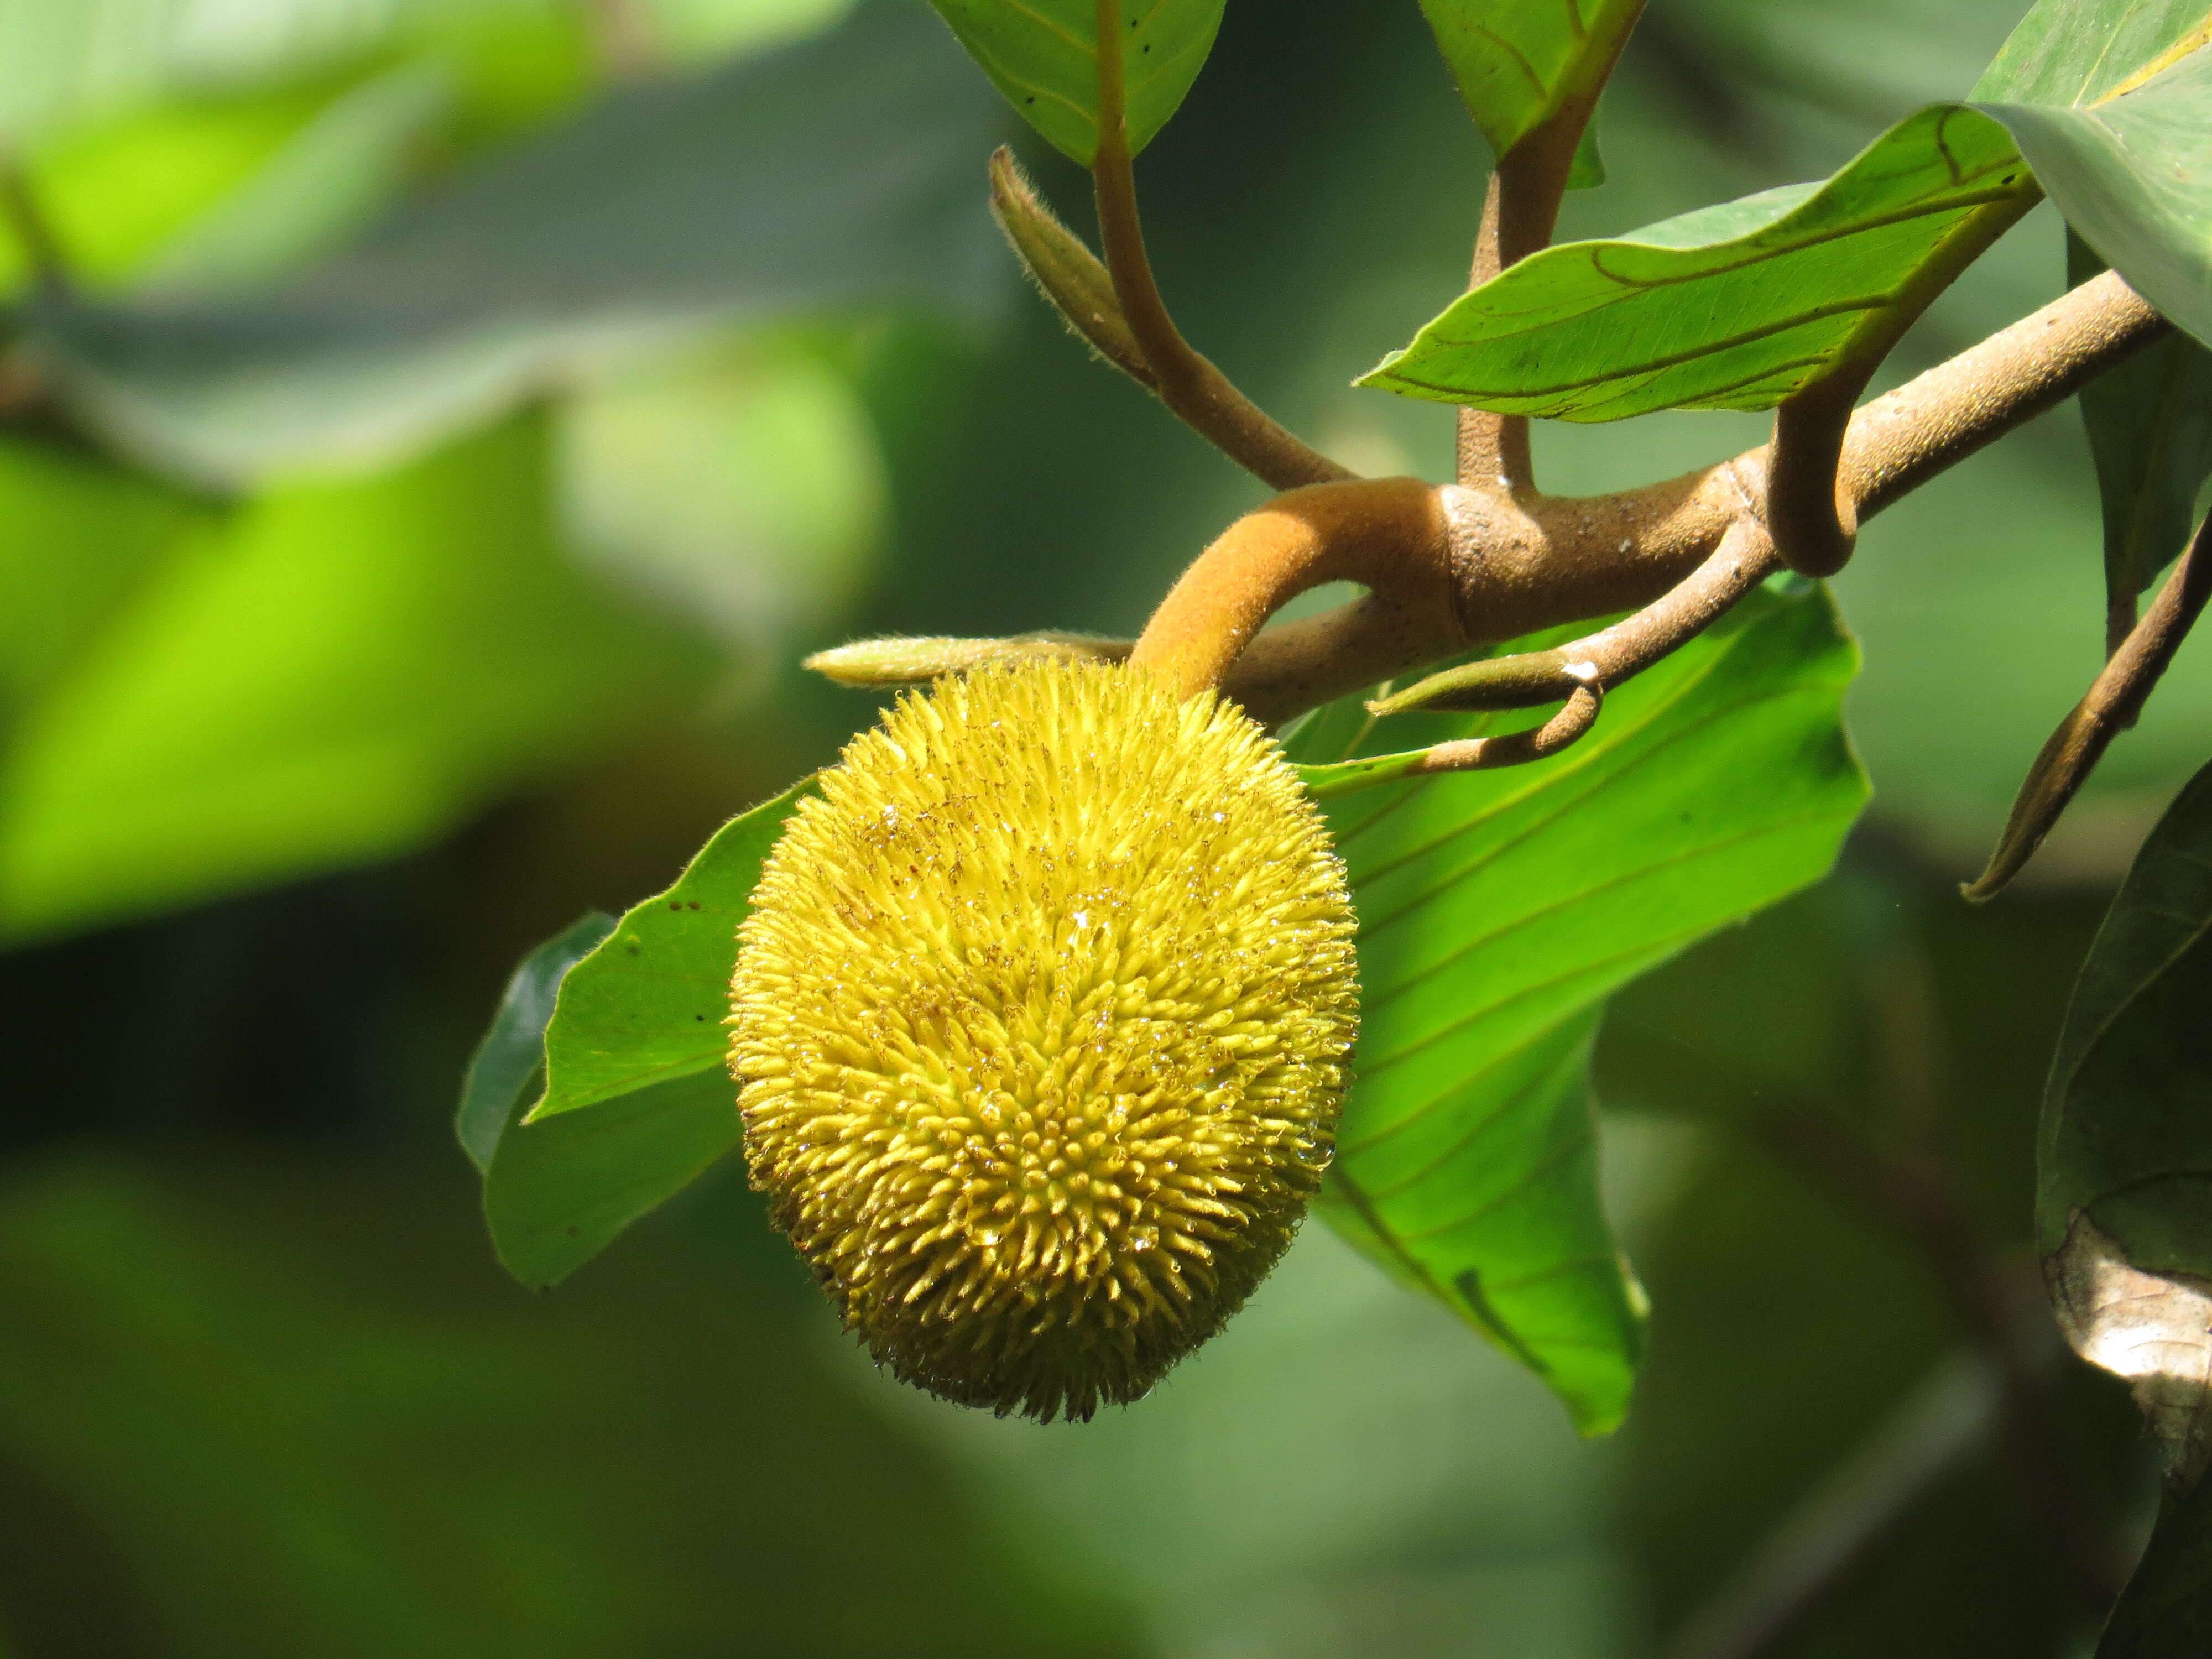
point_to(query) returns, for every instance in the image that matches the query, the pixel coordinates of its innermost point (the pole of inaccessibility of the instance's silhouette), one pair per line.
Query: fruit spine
(1042, 1019)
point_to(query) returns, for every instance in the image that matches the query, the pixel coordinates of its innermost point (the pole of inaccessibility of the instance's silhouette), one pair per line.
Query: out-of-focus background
(435, 431)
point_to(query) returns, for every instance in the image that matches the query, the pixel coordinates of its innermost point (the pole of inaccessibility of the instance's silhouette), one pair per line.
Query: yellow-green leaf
(1043, 55)
(1518, 63)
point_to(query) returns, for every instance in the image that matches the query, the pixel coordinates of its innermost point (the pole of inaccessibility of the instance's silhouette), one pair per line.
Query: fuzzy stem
(1388, 533)
(1932, 424)
(1813, 523)
(1520, 211)
(1066, 272)
(906, 660)
(1494, 449)
(1189, 385)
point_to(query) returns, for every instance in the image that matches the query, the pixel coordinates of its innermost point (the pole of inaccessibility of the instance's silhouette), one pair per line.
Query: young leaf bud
(1042, 1015)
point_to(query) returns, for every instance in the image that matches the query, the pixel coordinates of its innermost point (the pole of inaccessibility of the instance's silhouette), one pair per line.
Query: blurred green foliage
(308, 736)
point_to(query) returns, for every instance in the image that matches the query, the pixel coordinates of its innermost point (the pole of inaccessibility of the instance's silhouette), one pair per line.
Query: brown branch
(1563, 729)
(1745, 558)
(2114, 700)
(1493, 448)
(1532, 564)
(1189, 385)
(1815, 524)
(1520, 211)
(1932, 424)
(1387, 533)
(1508, 567)
(1809, 509)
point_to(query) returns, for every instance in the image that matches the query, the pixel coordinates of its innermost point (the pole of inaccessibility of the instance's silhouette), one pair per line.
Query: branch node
(1745, 558)
(1388, 534)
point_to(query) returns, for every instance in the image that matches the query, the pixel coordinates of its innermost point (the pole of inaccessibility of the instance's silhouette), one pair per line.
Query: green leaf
(1518, 63)
(1043, 55)
(841, 171)
(2150, 433)
(2133, 175)
(2123, 1204)
(561, 1189)
(2068, 53)
(1733, 307)
(2165, 1611)
(2150, 420)
(647, 1004)
(1499, 910)
(331, 673)
(512, 1056)
(638, 1103)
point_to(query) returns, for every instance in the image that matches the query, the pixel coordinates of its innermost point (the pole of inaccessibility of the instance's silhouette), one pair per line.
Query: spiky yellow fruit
(1042, 1019)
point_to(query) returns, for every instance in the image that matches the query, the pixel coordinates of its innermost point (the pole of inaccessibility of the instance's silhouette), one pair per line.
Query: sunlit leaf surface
(1518, 62)
(2150, 419)
(1499, 909)
(1733, 307)
(2132, 172)
(82, 535)
(1043, 55)
(1738, 306)
(647, 1004)
(2070, 53)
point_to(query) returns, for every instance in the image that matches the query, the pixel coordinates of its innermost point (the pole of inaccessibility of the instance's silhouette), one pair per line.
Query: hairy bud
(1042, 1019)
